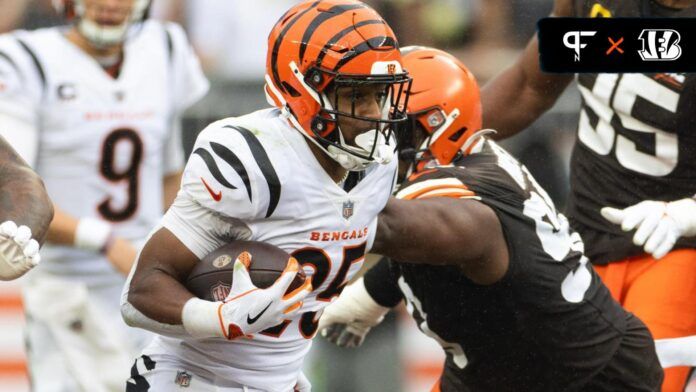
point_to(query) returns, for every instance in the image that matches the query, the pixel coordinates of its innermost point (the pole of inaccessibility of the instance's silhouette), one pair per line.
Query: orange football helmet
(444, 102)
(317, 46)
(100, 35)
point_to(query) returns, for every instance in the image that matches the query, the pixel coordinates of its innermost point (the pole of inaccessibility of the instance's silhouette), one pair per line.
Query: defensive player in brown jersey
(633, 170)
(486, 265)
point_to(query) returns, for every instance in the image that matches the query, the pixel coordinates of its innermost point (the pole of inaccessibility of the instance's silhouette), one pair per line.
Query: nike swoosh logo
(216, 195)
(251, 320)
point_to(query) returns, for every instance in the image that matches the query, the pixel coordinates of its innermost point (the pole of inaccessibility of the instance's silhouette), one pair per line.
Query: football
(211, 279)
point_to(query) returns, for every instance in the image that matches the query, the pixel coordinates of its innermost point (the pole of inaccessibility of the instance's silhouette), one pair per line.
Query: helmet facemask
(335, 91)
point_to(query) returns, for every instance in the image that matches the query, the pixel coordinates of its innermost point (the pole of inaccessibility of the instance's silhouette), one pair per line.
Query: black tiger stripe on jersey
(170, 45)
(138, 383)
(323, 17)
(213, 167)
(35, 60)
(9, 60)
(365, 46)
(341, 34)
(279, 40)
(265, 165)
(233, 160)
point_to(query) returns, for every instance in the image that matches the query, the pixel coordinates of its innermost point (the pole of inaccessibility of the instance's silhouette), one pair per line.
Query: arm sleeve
(381, 284)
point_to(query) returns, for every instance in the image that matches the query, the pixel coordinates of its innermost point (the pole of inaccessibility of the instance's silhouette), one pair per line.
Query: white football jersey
(104, 143)
(255, 178)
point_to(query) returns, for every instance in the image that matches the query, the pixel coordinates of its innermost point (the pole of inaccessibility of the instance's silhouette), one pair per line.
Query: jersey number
(638, 146)
(552, 228)
(415, 309)
(320, 262)
(128, 174)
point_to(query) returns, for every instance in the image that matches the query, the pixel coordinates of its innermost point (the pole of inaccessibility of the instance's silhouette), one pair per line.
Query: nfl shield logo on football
(347, 209)
(220, 291)
(183, 379)
(222, 261)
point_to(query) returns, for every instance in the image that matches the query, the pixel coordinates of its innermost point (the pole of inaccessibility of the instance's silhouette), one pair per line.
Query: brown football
(211, 278)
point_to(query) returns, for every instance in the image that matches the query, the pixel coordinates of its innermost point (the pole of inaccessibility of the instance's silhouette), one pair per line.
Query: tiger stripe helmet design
(444, 102)
(329, 44)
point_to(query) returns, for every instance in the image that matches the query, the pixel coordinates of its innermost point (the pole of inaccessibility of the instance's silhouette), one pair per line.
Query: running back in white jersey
(254, 177)
(105, 143)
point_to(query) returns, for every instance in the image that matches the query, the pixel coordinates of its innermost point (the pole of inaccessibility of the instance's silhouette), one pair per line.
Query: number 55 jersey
(104, 143)
(636, 141)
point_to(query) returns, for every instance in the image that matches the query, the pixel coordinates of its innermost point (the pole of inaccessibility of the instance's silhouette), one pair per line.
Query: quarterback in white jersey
(94, 108)
(309, 176)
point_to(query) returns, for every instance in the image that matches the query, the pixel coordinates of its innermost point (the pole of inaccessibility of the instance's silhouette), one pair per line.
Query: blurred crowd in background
(230, 39)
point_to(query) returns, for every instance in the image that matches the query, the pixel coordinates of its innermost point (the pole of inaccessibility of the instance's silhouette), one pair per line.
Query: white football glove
(658, 224)
(347, 320)
(18, 251)
(247, 309)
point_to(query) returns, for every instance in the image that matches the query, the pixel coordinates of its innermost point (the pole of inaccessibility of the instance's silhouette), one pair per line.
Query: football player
(633, 170)
(94, 108)
(309, 176)
(23, 200)
(486, 264)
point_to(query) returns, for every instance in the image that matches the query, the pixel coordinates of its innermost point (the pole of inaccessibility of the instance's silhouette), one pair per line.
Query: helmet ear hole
(455, 136)
(419, 134)
(291, 90)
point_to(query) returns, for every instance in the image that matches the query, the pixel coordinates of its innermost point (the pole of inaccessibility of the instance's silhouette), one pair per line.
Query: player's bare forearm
(23, 198)
(439, 231)
(518, 96)
(62, 229)
(156, 289)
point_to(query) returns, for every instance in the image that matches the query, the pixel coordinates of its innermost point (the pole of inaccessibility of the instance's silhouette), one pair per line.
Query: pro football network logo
(572, 40)
(660, 45)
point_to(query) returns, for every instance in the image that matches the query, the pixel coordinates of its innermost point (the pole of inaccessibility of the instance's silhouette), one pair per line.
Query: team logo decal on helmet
(322, 46)
(100, 35)
(444, 104)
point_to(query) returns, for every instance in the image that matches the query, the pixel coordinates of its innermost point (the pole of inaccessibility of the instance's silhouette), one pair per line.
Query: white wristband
(362, 305)
(92, 234)
(201, 320)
